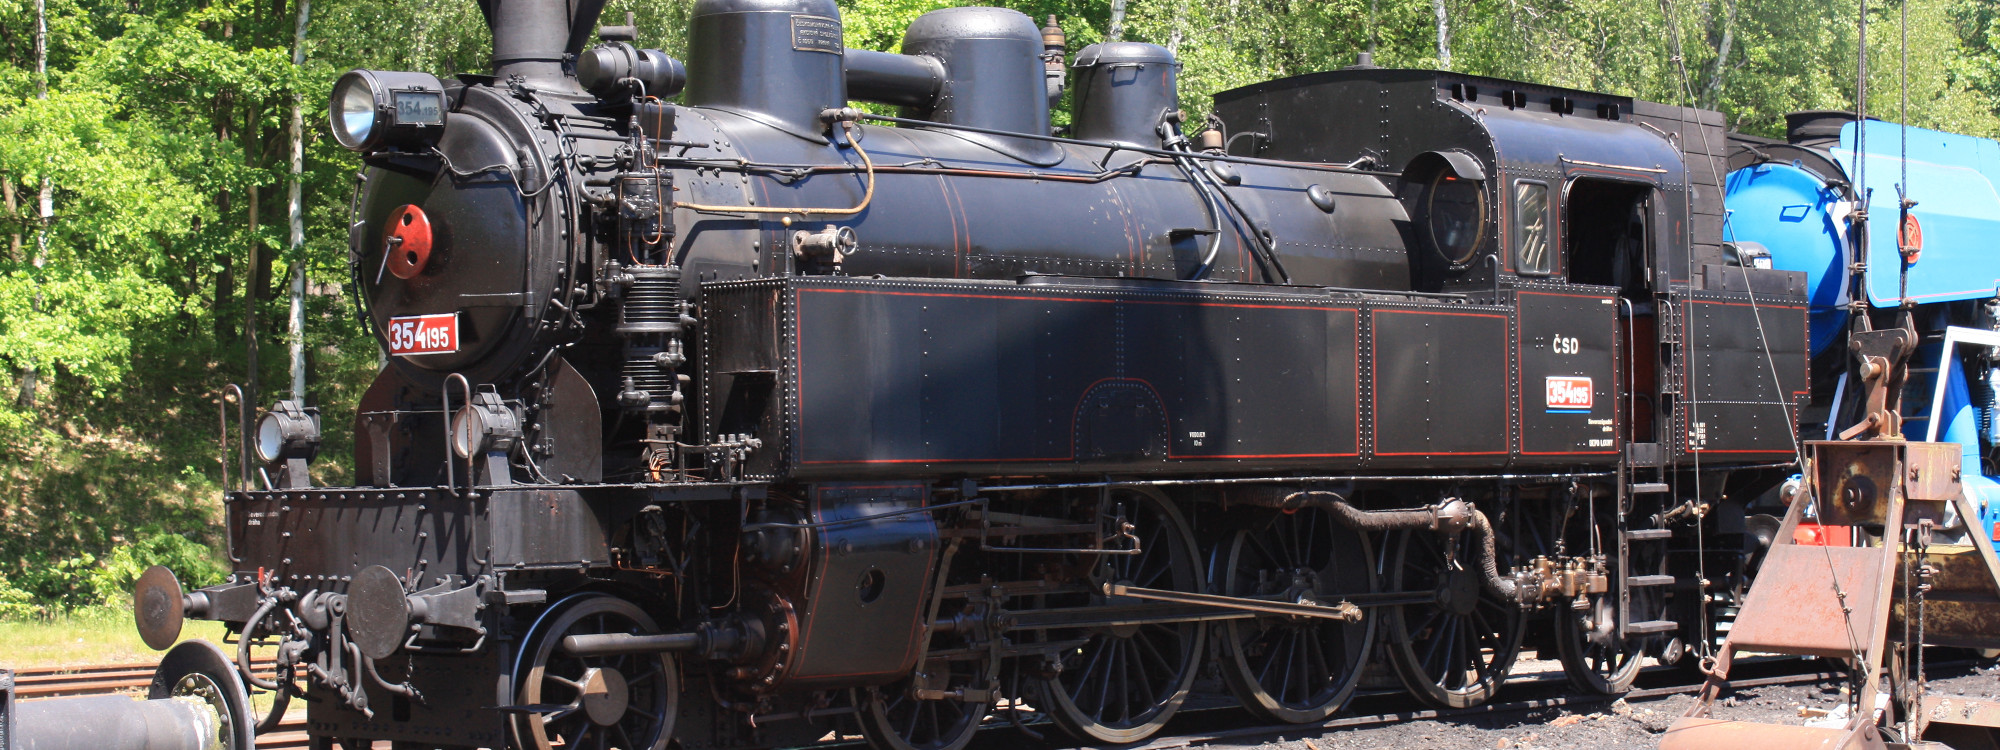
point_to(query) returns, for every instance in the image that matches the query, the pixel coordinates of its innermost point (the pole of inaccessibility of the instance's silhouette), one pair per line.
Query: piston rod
(1342, 611)
(620, 644)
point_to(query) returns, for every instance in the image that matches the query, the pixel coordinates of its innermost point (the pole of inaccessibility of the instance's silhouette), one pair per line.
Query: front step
(1649, 488)
(1648, 535)
(1640, 581)
(1649, 627)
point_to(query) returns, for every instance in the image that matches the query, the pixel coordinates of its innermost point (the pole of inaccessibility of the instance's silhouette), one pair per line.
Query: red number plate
(1569, 394)
(423, 334)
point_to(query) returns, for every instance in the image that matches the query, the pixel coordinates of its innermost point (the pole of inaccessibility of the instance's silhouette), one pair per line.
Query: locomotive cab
(1514, 186)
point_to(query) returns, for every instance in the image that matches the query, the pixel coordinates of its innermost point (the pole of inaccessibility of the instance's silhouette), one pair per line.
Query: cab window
(1531, 228)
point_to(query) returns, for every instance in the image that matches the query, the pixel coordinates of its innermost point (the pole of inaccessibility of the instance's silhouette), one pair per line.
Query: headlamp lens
(270, 438)
(354, 110)
(468, 432)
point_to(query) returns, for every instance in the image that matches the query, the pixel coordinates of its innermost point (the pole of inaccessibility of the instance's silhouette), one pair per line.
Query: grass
(102, 635)
(99, 635)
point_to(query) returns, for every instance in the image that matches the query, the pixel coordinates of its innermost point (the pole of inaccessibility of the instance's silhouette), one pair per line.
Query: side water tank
(1802, 220)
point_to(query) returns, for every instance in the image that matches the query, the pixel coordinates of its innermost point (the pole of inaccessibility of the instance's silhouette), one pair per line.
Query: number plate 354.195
(423, 334)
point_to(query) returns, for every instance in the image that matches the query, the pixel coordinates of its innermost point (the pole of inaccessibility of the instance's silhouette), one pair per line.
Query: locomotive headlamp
(289, 430)
(486, 425)
(376, 109)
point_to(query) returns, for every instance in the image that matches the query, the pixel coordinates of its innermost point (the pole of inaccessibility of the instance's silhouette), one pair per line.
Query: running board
(1343, 611)
(1649, 627)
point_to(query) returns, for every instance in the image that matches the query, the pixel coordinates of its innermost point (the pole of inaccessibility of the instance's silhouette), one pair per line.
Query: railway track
(1195, 728)
(1540, 692)
(55, 682)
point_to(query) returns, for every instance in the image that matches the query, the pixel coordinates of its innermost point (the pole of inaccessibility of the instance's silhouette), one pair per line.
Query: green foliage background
(164, 136)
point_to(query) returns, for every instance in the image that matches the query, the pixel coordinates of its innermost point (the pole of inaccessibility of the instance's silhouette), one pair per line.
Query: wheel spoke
(1462, 651)
(1152, 653)
(1436, 613)
(1431, 647)
(1291, 660)
(1316, 660)
(1104, 681)
(910, 727)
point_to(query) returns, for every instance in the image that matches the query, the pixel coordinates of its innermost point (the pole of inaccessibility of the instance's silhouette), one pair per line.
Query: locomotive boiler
(721, 411)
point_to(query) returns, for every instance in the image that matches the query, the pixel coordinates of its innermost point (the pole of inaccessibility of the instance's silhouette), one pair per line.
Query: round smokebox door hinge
(408, 241)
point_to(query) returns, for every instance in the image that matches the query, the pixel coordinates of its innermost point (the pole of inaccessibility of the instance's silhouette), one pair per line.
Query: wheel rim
(1593, 656)
(1452, 653)
(1124, 683)
(1288, 669)
(893, 718)
(626, 701)
(1587, 642)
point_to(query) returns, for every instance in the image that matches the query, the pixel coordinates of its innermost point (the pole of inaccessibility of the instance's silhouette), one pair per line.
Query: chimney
(538, 39)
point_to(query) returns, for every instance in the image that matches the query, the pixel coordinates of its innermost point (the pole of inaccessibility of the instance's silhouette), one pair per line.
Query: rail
(291, 734)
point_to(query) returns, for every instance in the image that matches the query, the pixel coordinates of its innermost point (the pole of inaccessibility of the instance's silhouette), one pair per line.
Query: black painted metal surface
(763, 358)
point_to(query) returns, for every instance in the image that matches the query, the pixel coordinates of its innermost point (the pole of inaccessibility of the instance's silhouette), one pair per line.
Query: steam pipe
(889, 78)
(1448, 517)
(1501, 586)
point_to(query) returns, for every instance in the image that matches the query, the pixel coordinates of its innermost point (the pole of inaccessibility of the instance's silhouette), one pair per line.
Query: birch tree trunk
(45, 202)
(1711, 93)
(1444, 34)
(295, 210)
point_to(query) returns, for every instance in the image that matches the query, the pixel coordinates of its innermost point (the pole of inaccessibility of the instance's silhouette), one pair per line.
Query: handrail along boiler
(736, 418)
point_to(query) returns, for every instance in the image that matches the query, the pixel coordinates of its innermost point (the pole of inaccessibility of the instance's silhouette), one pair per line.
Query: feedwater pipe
(867, 196)
(1448, 517)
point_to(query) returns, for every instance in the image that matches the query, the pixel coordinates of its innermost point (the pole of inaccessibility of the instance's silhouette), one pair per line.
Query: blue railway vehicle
(1798, 205)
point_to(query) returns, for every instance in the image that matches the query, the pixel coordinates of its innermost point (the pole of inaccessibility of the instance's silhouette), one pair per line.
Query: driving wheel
(1454, 651)
(897, 717)
(1296, 669)
(1125, 680)
(1587, 640)
(942, 704)
(627, 701)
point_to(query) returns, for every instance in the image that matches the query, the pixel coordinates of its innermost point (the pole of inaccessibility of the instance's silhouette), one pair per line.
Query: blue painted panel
(1786, 208)
(1961, 425)
(1952, 178)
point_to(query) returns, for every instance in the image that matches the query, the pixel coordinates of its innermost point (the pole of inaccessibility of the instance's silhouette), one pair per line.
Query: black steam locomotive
(751, 417)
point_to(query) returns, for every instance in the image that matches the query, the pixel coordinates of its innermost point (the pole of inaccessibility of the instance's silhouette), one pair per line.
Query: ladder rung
(1649, 488)
(1646, 535)
(1650, 627)
(1637, 581)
